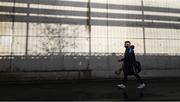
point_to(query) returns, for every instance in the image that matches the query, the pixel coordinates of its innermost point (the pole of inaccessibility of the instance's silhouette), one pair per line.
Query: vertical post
(143, 28)
(89, 28)
(27, 29)
(107, 7)
(108, 57)
(12, 40)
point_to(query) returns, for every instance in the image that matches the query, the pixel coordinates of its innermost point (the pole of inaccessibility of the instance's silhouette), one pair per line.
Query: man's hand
(121, 60)
(118, 72)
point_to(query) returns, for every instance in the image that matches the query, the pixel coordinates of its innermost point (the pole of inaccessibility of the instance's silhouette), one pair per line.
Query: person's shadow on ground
(128, 95)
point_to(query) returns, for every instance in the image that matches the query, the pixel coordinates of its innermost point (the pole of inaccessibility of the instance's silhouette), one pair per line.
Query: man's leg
(125, 78)
(123, 85)
(142, 85)
(138, 78)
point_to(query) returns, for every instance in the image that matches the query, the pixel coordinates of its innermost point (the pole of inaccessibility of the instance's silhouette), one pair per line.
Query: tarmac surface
(90, 90)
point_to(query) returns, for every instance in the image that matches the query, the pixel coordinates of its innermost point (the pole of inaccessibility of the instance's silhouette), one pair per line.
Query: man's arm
(132, 58)
(121, 60)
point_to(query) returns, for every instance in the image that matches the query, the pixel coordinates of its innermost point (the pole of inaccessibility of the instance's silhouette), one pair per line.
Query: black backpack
(137, 67)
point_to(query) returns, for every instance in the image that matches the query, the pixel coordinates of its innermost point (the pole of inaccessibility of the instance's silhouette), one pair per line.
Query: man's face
(127, 45)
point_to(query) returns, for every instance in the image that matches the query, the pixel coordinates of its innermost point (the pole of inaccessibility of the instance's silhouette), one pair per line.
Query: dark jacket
(129, 60)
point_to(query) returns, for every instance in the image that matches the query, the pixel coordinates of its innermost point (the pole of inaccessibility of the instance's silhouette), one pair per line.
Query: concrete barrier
(101, 66)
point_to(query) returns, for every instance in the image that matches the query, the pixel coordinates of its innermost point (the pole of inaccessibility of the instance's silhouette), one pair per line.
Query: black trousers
(136, 75)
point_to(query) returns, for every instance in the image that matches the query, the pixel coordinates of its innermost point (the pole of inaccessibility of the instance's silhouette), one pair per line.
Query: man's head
(127, 44)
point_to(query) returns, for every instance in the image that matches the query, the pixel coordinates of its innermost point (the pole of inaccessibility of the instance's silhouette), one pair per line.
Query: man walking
(128, 65)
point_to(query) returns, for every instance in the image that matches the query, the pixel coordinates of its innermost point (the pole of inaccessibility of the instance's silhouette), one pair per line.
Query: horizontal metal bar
(97, 5)
(84, 14)
(38, 19)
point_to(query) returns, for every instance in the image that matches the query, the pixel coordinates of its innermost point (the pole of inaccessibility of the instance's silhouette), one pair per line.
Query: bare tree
(58, 38)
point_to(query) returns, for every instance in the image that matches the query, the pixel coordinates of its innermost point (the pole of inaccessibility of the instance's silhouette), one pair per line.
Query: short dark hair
(127, 42)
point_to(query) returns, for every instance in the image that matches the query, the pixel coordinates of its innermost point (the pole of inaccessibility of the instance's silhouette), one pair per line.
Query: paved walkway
(96, 90)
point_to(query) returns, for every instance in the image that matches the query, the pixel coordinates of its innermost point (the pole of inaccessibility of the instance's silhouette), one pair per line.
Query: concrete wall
(69, 67)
